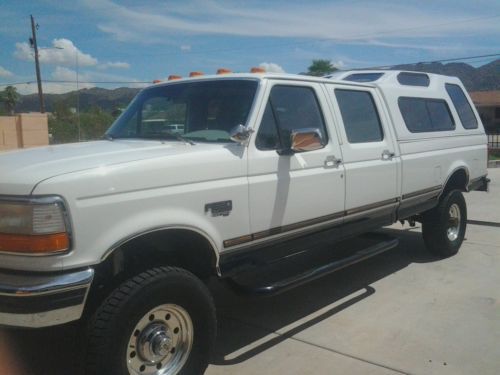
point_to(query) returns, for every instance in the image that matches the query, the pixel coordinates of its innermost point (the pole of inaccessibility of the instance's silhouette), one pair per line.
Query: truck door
(294, 192)
(370, 158)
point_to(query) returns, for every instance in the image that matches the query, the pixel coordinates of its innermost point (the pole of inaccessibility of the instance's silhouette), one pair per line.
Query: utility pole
(78, 101)
(37, 65)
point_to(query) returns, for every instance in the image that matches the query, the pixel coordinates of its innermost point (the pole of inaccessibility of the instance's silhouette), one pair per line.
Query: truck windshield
(203, 111)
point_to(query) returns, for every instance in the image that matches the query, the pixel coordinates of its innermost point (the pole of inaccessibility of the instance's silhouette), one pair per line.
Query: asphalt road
(404, 311)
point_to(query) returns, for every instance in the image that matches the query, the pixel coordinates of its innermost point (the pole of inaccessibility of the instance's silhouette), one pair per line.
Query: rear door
(370, 157)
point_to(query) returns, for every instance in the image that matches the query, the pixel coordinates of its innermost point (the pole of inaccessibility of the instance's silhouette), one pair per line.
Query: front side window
(425, 115)
(464, 110)
(203, 111)
(360, 116)
(289, 108)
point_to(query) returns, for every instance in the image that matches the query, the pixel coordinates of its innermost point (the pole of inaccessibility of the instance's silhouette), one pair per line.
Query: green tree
(116, 112)
(63, 124)
(94, 123)
(320, 68)
(10, 97)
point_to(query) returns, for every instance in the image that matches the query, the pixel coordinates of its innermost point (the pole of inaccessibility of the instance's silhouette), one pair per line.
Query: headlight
(34, 226)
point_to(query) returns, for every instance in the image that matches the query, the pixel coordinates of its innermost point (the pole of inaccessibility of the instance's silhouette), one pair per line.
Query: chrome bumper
(36, 301)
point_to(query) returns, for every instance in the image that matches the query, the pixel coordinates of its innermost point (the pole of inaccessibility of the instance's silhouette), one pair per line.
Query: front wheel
(443, 227)
(160, 322)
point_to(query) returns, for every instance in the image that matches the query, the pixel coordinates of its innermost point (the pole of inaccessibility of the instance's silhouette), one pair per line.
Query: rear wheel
(444, 226)
(160, 322)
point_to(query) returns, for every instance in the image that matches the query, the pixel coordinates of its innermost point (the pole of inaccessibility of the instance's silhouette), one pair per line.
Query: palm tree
(10, 97)
(320, 68)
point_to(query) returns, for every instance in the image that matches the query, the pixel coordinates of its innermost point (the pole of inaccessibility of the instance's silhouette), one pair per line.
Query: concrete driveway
(403, 311)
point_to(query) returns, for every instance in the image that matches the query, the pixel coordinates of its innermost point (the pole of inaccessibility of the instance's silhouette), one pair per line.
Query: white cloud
(272, 67)
(114, 65)
(48, 88)
(5, 73)
(61, 73)
(185, 47)
(360, 21)
(67, 78)
(62, 52)
(339, 64)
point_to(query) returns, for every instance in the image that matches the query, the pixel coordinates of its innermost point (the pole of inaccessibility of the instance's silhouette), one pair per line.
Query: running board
(286, 284)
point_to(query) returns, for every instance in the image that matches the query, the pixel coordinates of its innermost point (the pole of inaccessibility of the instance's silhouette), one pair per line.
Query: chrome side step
(383, 243)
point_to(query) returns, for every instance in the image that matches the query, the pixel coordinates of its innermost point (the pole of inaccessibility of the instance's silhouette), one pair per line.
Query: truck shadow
(247, 325)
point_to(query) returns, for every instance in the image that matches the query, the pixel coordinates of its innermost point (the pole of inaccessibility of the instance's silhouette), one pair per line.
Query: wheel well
(457, 181)
(182, 248)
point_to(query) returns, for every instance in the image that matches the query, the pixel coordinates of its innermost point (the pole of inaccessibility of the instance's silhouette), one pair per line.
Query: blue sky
(137, 41)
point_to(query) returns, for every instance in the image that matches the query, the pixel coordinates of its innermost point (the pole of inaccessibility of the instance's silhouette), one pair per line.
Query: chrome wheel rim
(454, 222)
(160, 342)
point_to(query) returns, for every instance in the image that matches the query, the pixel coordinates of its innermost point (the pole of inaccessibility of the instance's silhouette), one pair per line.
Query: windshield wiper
(165, 134)
(179, 137)
(162, 137)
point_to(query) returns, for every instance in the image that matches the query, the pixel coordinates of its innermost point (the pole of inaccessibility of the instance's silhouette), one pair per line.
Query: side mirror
(308, 139)
(240, 134)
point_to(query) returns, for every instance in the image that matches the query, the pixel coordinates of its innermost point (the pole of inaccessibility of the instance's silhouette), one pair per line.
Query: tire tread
(99, 324)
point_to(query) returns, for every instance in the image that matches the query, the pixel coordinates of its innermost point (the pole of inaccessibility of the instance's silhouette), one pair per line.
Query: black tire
(436, 222)
(111, 327)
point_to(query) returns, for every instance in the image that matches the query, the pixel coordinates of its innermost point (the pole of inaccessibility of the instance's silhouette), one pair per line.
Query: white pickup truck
(219, 176)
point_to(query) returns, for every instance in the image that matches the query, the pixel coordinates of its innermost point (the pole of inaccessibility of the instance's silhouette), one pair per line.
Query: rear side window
(363, 77)
(360, 116)
(426, 115)
(462, 106)
(413, 79)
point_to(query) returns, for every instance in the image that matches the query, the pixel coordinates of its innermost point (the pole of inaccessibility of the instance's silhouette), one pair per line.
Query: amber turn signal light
(34, 244)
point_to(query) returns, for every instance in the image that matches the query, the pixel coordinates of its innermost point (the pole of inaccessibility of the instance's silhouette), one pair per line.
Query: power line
(99, 82)
(432, 61)
(73, 82)
(16, 83)
(464, 58)
(468, 58)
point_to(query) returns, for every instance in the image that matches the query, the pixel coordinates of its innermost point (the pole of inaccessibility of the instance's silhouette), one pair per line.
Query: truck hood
(22, 170)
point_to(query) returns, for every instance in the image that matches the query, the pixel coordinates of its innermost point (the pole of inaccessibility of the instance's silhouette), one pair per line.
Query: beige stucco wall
(9, 137)
(23, 130)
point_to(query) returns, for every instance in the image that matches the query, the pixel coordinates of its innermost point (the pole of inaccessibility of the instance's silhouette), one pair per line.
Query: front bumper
(39, 300)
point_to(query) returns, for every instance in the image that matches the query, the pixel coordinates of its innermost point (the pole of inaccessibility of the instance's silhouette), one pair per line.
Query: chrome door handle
(387, 155)
(332, 162)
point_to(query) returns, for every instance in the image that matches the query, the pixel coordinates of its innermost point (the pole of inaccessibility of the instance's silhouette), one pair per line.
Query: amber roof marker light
(224, 71)
(195, 74)
(257, 69)
(174, 77)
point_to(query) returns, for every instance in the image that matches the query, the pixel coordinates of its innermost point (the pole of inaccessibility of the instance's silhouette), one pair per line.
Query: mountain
(483, 78)
(105, 99)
